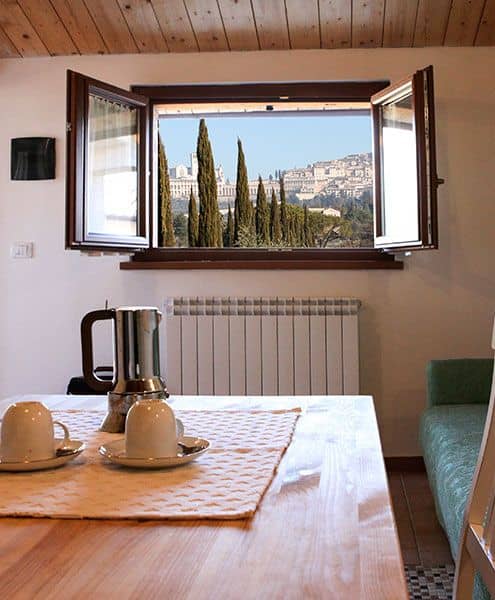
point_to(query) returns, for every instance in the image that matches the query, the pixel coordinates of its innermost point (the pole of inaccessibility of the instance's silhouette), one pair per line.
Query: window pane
(399, 175)
(112, 168)
(296, 179)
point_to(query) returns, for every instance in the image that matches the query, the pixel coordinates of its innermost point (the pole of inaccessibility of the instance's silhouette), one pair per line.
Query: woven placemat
(227, 482)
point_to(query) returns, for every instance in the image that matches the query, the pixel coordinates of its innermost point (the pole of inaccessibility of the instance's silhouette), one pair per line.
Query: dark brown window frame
(421, 84)
(290, 258)
(79, 87)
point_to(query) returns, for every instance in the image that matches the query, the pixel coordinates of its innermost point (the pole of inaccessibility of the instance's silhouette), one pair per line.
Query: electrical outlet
(22, 250)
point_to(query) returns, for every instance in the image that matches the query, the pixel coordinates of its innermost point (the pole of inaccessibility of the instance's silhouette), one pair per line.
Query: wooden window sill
(301, 259)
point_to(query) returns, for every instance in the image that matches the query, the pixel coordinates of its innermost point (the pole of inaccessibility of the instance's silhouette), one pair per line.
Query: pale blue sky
(269, 142)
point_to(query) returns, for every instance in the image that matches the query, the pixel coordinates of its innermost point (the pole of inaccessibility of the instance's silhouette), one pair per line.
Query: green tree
(209, 216)
(308, 232)
(192, 221)
(247, 237)
(284, 224)
(229, 239)
(275, 231)
(180, 229)
(262, 215)
(242, 205)
(166, 235)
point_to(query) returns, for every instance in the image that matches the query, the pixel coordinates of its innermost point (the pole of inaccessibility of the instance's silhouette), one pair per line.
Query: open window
(405, 178)
(115, 200)
(107, 167)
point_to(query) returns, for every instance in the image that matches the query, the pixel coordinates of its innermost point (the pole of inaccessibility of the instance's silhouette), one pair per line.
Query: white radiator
(261, 346)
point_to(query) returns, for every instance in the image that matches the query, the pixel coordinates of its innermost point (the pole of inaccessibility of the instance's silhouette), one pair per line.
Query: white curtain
(112, 167)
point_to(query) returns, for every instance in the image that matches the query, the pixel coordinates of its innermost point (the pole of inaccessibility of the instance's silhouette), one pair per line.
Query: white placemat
(227, 482)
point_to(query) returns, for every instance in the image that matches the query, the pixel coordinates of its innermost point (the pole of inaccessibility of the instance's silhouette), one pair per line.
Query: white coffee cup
(151, 430)
(27, 433)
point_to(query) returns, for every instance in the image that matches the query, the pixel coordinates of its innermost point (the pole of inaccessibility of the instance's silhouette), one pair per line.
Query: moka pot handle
(94, 382)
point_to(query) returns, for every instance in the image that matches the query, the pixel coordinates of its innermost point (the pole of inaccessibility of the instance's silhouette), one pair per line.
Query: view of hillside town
(323, 204)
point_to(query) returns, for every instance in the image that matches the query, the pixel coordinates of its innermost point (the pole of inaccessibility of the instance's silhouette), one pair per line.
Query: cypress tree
(209, 216)
(166, 235)
(308, 234)
(192, 222)
(242, 204)
(220, 225)
(229, 230)
(275, 231)
(284, 223)
(262, 215)
(300, 228)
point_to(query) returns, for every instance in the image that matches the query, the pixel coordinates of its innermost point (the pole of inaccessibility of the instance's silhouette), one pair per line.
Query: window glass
(399, 170)
(112, 168)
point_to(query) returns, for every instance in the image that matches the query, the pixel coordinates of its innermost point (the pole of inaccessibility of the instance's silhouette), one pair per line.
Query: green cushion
(450, 436)
(459, 381)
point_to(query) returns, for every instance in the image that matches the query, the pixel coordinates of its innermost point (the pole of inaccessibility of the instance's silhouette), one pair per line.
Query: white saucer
(71, 449)
(189, 449)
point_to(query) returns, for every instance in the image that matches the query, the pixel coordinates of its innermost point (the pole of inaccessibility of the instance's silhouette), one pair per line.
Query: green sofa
(451, 429)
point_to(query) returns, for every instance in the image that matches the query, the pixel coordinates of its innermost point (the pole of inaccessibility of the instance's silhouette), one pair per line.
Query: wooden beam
(48, 26)
(303, 22)
(238, 20)
(367, 23)
(80, 25)
(431, 22)
(7, 48)
(143, 24)
(486, 30)
(464, 19)
(207, 25)
(271, 23)
(336, 23)
(176, 26)
(113, 27)
(400, 19)
(19, 30)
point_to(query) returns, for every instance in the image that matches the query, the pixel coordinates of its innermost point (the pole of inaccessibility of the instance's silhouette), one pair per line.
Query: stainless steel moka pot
(136, 360)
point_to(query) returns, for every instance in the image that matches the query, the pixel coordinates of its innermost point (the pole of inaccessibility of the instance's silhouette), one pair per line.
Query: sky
(269, 143)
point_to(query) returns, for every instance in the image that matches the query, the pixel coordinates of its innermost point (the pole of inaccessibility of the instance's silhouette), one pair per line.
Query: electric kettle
(136, 360)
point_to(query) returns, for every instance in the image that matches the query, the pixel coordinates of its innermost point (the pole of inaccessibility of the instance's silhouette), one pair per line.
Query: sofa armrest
(459, 381)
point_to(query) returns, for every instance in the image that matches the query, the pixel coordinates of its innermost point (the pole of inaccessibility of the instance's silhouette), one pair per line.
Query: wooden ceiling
(63, 27)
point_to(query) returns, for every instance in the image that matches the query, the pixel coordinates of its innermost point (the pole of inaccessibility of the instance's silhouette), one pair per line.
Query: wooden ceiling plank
(239, 24)
(335, 23)
(304, 26)
(207, 24)
(49, 27)
(431, 22)
(399, 24)
(486, 30)
(175, 25)
(19, 30)
(142, 22)
(367, 23)
(7, 48)
(113, 27)
(271, 23)
(80, 25)
(464, 19)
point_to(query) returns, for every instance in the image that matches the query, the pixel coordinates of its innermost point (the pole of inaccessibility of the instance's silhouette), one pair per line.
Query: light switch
(22, 250)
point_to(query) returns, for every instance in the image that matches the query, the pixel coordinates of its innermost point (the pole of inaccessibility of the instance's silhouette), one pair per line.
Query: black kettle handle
(94, 382)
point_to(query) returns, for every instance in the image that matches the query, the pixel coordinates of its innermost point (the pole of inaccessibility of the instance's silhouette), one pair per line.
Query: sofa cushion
(450, 436)
(459, 381)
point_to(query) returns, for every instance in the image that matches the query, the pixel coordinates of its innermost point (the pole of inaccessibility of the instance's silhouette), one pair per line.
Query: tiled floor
(422, 539)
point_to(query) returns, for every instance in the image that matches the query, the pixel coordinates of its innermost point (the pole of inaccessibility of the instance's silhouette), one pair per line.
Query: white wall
(440, 306)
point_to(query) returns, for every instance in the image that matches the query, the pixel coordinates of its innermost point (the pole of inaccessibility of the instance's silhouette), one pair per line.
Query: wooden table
(324, 529)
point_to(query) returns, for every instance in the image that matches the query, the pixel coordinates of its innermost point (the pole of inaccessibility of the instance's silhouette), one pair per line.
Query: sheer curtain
(112, 178)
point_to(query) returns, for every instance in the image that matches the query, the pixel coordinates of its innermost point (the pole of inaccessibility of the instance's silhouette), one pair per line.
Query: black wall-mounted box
(32, 158)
